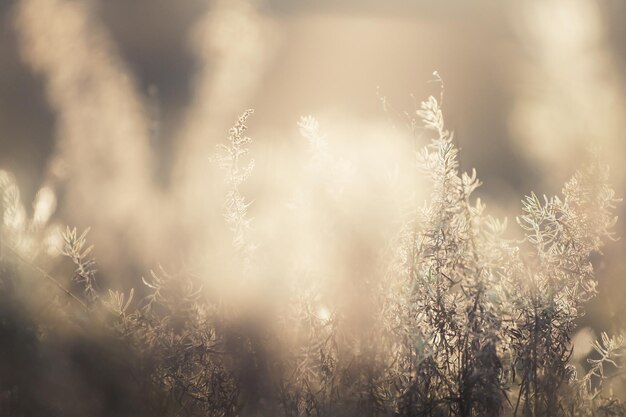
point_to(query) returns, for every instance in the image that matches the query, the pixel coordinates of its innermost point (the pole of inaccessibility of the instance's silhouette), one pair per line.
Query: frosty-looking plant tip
(74, 247)
(231, 158)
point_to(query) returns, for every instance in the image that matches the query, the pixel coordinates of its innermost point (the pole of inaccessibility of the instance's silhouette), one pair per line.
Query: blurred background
(117, 106)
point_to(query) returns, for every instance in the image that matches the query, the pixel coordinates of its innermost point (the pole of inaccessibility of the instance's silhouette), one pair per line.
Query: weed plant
(463, 322)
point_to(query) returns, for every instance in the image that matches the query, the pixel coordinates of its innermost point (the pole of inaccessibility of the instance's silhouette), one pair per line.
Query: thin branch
(45, 275)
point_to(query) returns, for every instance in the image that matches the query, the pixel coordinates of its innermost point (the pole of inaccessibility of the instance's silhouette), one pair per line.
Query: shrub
(466, 321)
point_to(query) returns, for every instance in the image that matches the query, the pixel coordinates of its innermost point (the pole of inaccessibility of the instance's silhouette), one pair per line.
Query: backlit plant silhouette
(464, 321)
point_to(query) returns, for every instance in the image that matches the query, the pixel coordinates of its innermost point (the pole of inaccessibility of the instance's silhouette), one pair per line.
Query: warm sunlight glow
(289, 208)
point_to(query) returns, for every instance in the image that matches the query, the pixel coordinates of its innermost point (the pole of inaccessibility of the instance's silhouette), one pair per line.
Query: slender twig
(45, 275)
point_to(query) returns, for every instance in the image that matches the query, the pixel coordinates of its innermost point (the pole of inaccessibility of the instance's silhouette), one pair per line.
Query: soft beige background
(117, 106)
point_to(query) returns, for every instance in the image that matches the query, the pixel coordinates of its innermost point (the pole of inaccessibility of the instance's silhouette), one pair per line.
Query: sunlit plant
(464, 322)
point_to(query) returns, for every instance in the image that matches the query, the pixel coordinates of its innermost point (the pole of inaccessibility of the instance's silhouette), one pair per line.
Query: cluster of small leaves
(232, 159)
(609, 349)
(74, 247)
(175, 329)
